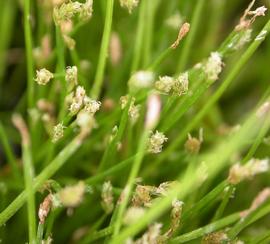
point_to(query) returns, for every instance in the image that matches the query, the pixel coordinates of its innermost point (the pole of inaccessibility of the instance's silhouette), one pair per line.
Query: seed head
(86, 10)
(91, 105)
(164, 84)
(72, 196)
(213, 66)
(129, 4)
(156, 141)
(180, 85)
(58, 132)
(44, 208)
(107, 197)
(72, 76)
(43, 76)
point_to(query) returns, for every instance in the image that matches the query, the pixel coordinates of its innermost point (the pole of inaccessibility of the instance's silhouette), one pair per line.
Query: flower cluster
(43, 76)
(213, 66)
(178, 86)
(134, 110)
(156, 141)
(58, 132)
(129, 4)
(107, 197)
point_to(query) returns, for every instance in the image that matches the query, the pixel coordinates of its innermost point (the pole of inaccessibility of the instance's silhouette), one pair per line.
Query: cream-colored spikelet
(129, 4)
(43, 76)
(156, 141)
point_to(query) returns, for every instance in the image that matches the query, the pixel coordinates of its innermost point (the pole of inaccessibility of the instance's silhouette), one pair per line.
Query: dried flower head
(253, 167)
(129, 4)
(124, 101)
(152, 235)
(66, 11)
(58, 132)
(86, 10)
(180, 86)
(164, 84)
(85, 120)
(142, 196)
(77, 100)
(72, 196)
(91, 105)
(72, 76)
(107, 197)
(141, 80)
(193, 144)
(181, 34)
(213, 66)
(215, 238)
(134, 112)
(43, 76)
(44, 208)
(156, 141)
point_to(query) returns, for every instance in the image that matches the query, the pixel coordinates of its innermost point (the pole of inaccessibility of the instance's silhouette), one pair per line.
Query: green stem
(47, 173)
(130, 183)
(194, 26)
(28, 178)
(137, 53)
(29, 55)
(103, 51)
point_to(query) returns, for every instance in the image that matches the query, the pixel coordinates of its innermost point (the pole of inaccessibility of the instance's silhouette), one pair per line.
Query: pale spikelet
(175, 218)
(70, 42)
(107, 197)
(180, 86)
(253, 167)
(153, 111)
(152, 236)
(164, 84)
(141, 80)
(213, 66)
(85, 120)
(44, 209)
(86, 10)
(156, 141)
(133, 214)
(193, 144)
(77, 100)
(142, 196)
(72, 196)
(129, 4)
(134, 112)
(115, 49)
(215, 238)
(66, 11)
(124, 101)
(91, 105)
(243, 40)
(71, 76)
(43, 76)
(58, 132)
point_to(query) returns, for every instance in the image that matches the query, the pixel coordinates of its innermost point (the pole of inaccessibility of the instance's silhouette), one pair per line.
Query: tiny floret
(72, 76)
(43, 76)
(164, 84)
(58, 132)
(72, 196)
(129, 4)
(107, 197)
(180, 86)
(156, 141)
(91, 105)
(213, 66)
(86, 10)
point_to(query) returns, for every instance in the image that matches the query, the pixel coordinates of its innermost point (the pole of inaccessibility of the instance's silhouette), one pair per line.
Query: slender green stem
(47, 173)
(187, 47)
(131, 180)
(103, 51)
(214, 98)
(137, 53)
(29, 54)
(28, 178)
